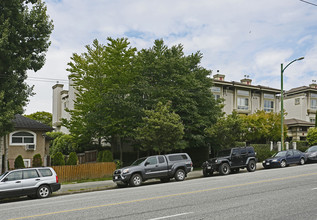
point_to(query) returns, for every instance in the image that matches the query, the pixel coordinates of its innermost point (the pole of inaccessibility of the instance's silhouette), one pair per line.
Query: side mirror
(146, 163)
(5, 179)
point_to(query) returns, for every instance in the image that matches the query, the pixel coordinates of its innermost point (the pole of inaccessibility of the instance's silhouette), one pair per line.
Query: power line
(308, 2)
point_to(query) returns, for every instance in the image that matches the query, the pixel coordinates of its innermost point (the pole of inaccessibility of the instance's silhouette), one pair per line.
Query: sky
(237, 37)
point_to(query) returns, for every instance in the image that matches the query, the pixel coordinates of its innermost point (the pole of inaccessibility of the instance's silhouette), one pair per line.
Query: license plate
(115, 177)
(267, 163)
(208, 167)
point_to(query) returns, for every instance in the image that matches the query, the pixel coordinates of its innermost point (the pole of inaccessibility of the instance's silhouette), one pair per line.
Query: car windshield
(311, 149)
(280, 154)
(224, 153)
(138, 161)
(3, 174)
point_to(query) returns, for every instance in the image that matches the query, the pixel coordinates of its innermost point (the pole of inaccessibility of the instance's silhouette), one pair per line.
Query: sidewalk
(109, 184)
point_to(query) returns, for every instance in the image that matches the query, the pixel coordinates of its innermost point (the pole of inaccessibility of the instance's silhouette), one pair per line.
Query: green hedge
(37, 160)
(301, 145)
(263, 151)
(18, 163)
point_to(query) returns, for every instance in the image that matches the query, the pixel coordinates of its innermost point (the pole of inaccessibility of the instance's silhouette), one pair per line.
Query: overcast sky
(237, 37)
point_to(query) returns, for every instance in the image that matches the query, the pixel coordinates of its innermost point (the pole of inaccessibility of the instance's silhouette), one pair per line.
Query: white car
(37, 182)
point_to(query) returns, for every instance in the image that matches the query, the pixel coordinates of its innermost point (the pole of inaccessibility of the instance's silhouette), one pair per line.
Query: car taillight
(56, 179)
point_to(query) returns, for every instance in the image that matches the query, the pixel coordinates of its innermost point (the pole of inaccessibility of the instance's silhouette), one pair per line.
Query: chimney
(246, 80)
(313, 85)
(219, 76)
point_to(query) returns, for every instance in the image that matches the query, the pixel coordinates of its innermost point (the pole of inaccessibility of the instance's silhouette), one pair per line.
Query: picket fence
(71, 173)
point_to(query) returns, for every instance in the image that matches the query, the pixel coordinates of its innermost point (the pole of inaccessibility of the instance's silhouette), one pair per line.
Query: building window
(268, 102)
(243, 103)
(27, 162)
(313, 103)
(312, 120)
(22, 138)
(216, 89)
(268, 105)
(216, 96)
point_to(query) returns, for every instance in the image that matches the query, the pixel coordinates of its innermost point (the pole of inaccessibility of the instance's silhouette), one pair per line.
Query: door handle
(18, 182)
(156, 166)
(37, 179)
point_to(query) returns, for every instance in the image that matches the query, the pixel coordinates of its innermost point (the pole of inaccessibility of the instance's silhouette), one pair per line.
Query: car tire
(136, 180)
(283, 164)
(224, 169)
(302, 161)
(179, 175)
(43, 191)
(251, 167)
(122, 185)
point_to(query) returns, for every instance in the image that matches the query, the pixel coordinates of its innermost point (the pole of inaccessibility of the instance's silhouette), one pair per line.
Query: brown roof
(297, 122)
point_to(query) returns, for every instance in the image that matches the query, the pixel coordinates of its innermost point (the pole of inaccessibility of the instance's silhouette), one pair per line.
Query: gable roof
(293, 122)
(21, 122)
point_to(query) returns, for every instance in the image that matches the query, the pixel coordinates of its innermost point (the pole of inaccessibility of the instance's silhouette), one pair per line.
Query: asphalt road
(288, 193)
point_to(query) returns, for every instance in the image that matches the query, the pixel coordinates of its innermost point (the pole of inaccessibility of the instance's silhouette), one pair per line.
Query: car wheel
(43, 192)
(136, 180)
(283, 163)
(122, 185)
(251, 166)
(302, 161)
(224, 169)
(205, 172)
(180, 175)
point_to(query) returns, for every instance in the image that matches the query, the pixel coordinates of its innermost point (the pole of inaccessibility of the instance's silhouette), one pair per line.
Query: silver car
(37, 182)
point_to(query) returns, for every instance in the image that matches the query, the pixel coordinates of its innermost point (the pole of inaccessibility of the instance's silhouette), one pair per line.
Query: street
(286, 193)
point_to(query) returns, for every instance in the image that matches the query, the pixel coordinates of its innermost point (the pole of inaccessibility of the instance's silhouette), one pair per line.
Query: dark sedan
(311, 153)
(285, 158)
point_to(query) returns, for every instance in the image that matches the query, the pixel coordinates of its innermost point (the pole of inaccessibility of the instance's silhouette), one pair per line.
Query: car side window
(29, 174)
(16, 175)
(296, 153)
(161, 159)
(152, 160)
(243, 151)
(289, 153)
(235, 152)
(46, 172)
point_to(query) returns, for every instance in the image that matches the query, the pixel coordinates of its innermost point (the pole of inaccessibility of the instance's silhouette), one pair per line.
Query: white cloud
(237, 37)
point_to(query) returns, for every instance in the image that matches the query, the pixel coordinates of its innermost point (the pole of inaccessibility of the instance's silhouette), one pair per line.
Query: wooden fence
(71, 173)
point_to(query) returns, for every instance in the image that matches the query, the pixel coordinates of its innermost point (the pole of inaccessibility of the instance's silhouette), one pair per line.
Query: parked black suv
(163, 167)
(231, 160)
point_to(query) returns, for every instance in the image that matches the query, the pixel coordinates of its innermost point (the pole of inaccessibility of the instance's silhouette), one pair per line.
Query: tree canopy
(43, 117)
(24, 38)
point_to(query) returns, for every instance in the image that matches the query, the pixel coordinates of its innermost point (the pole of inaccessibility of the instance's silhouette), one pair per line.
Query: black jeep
(231, 160)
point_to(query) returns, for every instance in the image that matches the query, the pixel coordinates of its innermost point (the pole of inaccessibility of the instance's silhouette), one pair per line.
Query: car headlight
(125, 171)
(263, 161)
(216, 161)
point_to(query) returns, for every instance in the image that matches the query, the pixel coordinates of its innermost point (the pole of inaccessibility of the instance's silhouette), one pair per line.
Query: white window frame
(268, 98)
(242, 106)
(313, 100)
(27, 162)
(23, 143)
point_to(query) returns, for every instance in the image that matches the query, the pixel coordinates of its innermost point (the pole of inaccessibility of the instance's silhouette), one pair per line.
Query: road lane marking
(171, 216)
(166, 196)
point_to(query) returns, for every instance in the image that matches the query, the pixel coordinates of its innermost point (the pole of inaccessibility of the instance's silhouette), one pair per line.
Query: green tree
(43, 117)
(264, 127)
(228, 130)
(58, 159)
(24, 38)
(102, 77)
(64, 144)
(161, 131)
(37, 160)
(166, 74)
(312, 136)
(105, 156)
(72, 159)
(18, 162)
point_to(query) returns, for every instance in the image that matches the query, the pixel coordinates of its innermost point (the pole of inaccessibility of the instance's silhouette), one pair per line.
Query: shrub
(263, 151)
(118, 163)
(72, 159)
(37, 160)
(105, 156)
(301, 145)
(58, 159)
(18, 163)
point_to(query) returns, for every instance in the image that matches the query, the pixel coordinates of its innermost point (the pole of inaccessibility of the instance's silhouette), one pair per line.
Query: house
(297, 129)
(301, 103)
(27, 139)
(243, 97)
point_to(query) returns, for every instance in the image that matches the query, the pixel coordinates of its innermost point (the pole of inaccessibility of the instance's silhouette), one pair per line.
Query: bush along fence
(71, 173)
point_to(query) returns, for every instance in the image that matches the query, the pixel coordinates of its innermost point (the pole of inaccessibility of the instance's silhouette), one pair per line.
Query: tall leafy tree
(103, 77)
(43, 117)
(162, 130)
(312, 136)
(166, 74)
(24, 38)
